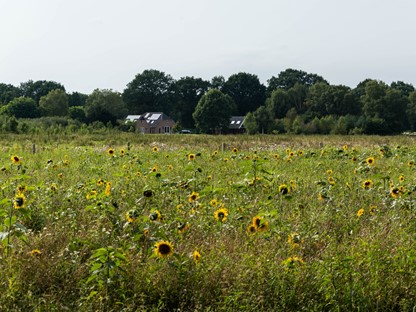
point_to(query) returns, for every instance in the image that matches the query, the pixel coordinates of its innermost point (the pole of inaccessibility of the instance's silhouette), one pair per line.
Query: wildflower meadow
(125, 222)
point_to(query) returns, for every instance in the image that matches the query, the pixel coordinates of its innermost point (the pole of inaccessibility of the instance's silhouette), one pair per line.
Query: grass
(207, 223)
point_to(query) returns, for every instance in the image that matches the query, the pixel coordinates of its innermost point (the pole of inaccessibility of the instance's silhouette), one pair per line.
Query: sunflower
(260, 224)
(251, 229)
(331, 180)
(329, 172)
(345, 147)
(110, 151)
(235, 150)
(100, 182)
(221, 214)
(155, 215)
(401, 178)
(53, 187)
(163, 249)
(294, 239)
(183, 227)
(193, 197)
(410, 163)
(35, 252)
(354, 159)
(197, 256)
(19, 201)
(15, 159)
(395, 192)
(372, 209)
(108, 189)
(132, 215)
(21, 189)
(154, 169)
(293, 262)
(276, 156)
(191, 157)
(370, 161)
(284, 189)
(122, 152)
(367, 184)
(360, 212)
(155, 149)
(214, 202)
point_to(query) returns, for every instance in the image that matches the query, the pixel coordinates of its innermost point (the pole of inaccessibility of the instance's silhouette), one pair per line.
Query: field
(120, 222)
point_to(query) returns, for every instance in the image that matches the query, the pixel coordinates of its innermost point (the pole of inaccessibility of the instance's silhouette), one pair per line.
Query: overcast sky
(89, 44)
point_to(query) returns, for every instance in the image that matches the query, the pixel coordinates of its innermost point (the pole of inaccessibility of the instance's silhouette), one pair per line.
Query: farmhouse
(236, 125)
(152, 122)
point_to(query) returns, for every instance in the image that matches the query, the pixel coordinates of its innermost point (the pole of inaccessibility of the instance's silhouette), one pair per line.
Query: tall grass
(269, 223)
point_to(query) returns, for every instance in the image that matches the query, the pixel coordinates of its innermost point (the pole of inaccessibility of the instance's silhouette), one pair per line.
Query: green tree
(384, 108)
(404, 88)
(213, 112)
(77, 99)
(289, 77)
(264, 119)
(55, 103)
(411, 111)
(217, 82)
(105, 105)
(279, 103)
(21, 107)
(189, 91)
(246, 91)
(77, 113)
(150, 91)
(8, 92)
(250, 124)
(37, 89)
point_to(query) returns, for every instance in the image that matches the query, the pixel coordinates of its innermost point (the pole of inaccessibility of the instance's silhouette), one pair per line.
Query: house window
(167, 129)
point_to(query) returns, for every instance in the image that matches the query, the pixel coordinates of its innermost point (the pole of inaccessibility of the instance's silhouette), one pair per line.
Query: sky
(90, 44)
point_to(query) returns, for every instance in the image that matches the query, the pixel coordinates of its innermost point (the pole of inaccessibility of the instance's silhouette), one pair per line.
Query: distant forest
(294, 101)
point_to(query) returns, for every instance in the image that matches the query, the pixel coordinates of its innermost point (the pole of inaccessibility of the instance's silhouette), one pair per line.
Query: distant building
(236, 125)
(152, 123)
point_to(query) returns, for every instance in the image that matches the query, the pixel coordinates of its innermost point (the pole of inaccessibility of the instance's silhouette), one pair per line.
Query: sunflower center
(164, 249)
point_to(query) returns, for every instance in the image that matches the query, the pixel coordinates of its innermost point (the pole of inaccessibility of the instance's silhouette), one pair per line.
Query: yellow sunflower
(15, 159)
(197, 256)
(260, 224)
(132, 215)
(395, 192)
(214, 202)
(221, 214)
(194, 196)
(191, 157)
(360, 212)
(155, 215)
(367, 184)
(251, 229)
(284, 189)
(235, 150)
(370, 161)
(110, 151)
(19, 201)
(108, 189)
(163, 249)
(35, 252)
(155, 149)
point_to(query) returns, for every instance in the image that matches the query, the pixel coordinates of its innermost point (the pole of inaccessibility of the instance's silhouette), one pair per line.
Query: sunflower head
(360, 212)
(35, 252)
(196, 256)
(19, 201)
(251, 229)
(15, 159)
(193, 197)
(110, 151)
(235, 150)
(191, 157)
(221, 214)
(370, 161)
(367, 184)
(163, 249)
(395, 192)
(155, 149)
(284, 189)
(155, 216)
(132, 215)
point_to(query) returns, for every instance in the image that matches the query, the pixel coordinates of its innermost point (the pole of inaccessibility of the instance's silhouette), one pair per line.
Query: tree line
(294, 101)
